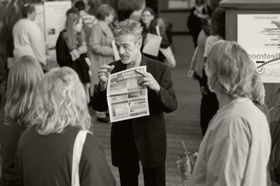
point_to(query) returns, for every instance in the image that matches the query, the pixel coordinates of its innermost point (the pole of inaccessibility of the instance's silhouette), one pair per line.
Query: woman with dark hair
(154, 25)
(101, 43)
(209, 103)
(217, 29)
(71, 48)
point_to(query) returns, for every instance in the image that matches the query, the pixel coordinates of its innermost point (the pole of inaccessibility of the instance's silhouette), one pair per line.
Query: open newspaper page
(126, 98)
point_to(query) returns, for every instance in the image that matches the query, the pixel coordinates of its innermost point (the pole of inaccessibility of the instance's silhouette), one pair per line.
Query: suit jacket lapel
(119, 66)
(144, 62)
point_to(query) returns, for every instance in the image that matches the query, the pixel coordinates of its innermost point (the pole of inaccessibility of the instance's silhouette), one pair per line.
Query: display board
(55, 18)
(175, 5)
(179, 4)
(235, 8)
(40, 16)
(262, 41)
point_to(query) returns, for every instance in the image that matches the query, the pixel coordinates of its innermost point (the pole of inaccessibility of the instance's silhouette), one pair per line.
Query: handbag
(77, 153)
(152, 44)
(168, 53)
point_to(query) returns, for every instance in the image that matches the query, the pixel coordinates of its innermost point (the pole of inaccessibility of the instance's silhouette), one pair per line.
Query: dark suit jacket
(149, 132)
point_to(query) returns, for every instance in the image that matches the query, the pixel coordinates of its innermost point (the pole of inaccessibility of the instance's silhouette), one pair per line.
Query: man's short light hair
(128, 27)
(231, 69)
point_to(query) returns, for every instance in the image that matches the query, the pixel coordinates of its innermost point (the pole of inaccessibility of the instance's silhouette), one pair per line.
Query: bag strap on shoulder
(77, 153)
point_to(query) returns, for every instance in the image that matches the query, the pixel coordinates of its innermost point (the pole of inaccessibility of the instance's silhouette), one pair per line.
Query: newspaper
(126, 98)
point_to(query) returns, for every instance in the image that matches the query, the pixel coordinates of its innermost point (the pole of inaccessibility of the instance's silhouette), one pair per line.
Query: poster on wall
(262, 42)
(180, 4)
(55, 17)
(40, 16)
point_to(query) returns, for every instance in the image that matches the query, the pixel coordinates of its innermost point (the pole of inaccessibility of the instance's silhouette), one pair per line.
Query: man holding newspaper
(142, 137)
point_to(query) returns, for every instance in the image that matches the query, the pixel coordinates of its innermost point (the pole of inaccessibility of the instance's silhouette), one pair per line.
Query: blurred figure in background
(88, 20)
(11, 14)
(235, 149)
(23, 79)
(28, 38)
(71, 47)
(156, 26)
(45, 150)
(217, 29)
(130, 9)
(209, 102)
(101, 43)
(198, 16)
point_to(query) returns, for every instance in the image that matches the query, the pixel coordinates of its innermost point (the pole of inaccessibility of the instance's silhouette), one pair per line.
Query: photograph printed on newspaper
(126, 98)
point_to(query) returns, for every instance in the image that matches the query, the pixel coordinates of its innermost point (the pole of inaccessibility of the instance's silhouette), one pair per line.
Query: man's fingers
(141, 72)
(102, 71)
(146, 79)
(112, 67)
(105, 69)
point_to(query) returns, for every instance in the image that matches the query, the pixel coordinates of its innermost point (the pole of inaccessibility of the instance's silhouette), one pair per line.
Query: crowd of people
(46, 110)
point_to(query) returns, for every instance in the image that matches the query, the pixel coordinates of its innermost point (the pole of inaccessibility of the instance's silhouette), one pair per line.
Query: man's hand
(148, 80)
(190, 73)
(103, 75)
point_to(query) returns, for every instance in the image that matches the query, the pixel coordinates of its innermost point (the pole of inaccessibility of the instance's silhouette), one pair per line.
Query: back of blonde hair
(231, 69)
(23, 79)
(61, 101)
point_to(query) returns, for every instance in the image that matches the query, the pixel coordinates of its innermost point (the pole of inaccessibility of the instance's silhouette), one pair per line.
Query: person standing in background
(88, 20)
(23, 79)
(28, 38)
(209, 103)
(130, 9)
(198, 16)
(155, 26)
(101, 49)
(11, 14)
(71, 47)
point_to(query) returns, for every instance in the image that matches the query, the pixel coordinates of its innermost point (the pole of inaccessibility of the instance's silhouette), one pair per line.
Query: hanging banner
(262, 42)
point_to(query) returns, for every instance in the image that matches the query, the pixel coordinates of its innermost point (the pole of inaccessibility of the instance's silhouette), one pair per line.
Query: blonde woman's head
(230, 70)
(61, 102)
(23, 79)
